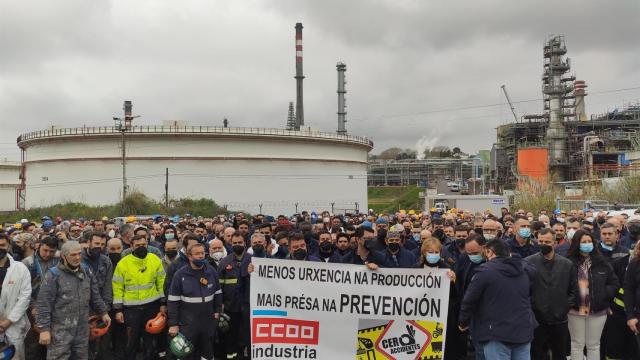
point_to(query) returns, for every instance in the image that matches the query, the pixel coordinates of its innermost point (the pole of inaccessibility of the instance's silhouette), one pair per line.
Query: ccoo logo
(284, 331)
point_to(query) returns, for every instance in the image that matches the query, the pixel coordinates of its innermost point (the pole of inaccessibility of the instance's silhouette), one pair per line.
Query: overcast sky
(412, 66)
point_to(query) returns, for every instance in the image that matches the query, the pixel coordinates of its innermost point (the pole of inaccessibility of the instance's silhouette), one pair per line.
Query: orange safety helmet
(157, 324)
(97, 328)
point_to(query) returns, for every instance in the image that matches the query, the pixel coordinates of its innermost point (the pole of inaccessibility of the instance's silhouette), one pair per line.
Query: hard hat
(105, 218)
(412, 212)
(403, 211)
(97, 328)
(131, 219)
(18, 226)
(157, 324)
(223, 322)
(24, 221)
(180, 346)
(7, 350)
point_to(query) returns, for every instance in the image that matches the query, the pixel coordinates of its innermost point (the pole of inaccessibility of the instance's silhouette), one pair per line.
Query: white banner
(316, 310)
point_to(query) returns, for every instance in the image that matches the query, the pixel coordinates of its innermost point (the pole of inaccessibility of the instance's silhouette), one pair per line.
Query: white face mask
(570, 234)
(217, 256)
(112, 233)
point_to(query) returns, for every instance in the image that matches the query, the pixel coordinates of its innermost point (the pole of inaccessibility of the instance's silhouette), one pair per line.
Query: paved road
(442, 188)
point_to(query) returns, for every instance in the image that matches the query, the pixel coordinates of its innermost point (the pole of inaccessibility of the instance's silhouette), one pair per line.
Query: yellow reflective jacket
(138, 281)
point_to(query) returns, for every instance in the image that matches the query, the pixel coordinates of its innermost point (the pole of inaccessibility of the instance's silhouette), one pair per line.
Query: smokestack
(580, 92)
(342, 113)
(299, 77)
(128, 111)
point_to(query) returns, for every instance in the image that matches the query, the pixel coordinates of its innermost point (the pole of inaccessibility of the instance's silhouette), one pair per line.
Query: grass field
(394, 198)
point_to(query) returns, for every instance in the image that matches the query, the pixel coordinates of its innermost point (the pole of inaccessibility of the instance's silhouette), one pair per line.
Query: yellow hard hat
(403, 211)
(105, 218)
(131, 219)
(412, 212)
(18, 226)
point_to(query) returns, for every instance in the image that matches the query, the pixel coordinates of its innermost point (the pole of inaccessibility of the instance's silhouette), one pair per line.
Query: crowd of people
(544, 285)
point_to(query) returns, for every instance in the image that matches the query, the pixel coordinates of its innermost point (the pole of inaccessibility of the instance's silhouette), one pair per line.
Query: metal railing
(153, 129)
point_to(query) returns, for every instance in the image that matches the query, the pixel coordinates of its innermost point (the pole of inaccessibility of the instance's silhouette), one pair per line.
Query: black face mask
(477, 230)
(601, 221)
(394, 247)
(17, 250)
(460, 243)
(238, 249)
(300, 254)
(545, 249)
(171, 253)
(382, 234)
(326, 246)
(258, 250)
(140, 252)
(115, 257)
(94, 252)
(3, 253)
(369, 244)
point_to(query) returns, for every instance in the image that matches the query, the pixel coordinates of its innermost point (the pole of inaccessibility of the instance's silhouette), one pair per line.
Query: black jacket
(497, 303)
(553, 288)
(632, 289)
(603, 283)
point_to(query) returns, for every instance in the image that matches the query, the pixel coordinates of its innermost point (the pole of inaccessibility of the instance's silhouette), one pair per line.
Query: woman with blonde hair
(431, 258)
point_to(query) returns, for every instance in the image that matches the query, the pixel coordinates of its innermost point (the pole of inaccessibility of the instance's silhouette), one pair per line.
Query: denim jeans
(477, 348)
(496, 350)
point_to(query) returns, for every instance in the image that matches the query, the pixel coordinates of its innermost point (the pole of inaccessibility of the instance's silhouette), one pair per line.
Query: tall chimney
(580, 92)
(299, 77)
(342, 113)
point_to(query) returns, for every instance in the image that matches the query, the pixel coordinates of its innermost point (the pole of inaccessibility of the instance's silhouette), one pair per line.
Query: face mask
(570, 234)
(3, 253)
(394, 247)
(218, 255)
(140, 252)
(478, 230)
(300, 254)
(199, 263)
(114, 257)
(171, 253)
(112, 233)
(238, 249)
(433, 258)
(460, 242)
(606, 247)
(169, 236)
(326, 246)
(545, 249)
(524, 232)
(416, 237)
(369, 244)
(382, 233)
(586, 248)
(601, 221)
(476, 258)
(489, 237)
(17, 250)
(258, 250)
(94, 252)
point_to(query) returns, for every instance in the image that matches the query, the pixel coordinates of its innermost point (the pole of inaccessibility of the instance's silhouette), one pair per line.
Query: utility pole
(166, 189)
(124, 124)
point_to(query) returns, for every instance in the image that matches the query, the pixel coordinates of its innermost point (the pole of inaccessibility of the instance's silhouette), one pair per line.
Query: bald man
(625, 238)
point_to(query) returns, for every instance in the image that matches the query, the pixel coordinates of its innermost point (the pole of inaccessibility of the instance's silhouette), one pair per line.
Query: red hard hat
(157, 324)
(97, 328)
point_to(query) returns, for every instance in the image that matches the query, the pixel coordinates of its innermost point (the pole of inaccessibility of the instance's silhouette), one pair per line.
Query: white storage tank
(241, 168)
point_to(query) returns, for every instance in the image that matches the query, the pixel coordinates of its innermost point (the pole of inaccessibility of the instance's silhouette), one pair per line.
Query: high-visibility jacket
(138, 281)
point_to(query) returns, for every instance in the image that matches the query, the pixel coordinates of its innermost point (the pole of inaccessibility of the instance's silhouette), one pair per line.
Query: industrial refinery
(563, 144)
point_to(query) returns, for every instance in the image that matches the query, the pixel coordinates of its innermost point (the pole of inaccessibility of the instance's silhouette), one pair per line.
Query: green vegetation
(135, 204)
(394, 198)
(627, 191)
